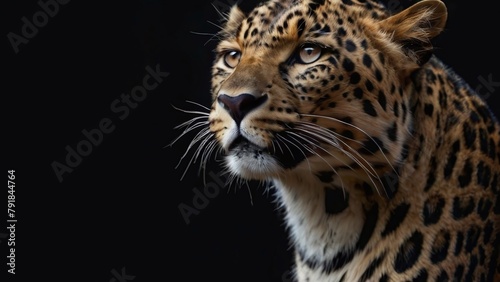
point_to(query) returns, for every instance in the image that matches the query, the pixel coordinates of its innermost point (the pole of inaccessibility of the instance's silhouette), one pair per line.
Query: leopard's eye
(232, 58)
(309, 53)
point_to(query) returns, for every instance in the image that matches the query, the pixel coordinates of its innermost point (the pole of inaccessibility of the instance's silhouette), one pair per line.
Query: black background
(119, 208)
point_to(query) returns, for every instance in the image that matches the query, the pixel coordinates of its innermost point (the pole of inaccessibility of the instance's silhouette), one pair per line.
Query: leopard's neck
(329, 224)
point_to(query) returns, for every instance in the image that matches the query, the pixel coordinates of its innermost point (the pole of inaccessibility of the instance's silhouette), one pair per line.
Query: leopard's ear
(234, 20)
(414, 27)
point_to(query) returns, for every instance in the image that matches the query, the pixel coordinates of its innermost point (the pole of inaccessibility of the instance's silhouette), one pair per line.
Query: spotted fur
(386, 162)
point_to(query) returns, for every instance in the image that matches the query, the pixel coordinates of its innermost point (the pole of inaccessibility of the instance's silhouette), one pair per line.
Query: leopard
(383, 159)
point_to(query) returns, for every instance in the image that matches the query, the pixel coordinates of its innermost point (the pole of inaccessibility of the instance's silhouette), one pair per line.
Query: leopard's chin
(249, 161)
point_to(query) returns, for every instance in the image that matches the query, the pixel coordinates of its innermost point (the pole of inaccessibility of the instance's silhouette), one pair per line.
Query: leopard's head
(318, 85)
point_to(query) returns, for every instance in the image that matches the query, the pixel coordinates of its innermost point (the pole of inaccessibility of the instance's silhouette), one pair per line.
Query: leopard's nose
(239, 106)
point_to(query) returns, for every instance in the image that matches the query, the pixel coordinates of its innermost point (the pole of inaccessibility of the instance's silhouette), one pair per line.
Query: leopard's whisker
(192, 111)
(231, 177)
(320, 147)
(360, 130)
(198, 137)
(318, 155)
(192, 123)
(189, 129)
(187, 167)
(300, 149)
(249, 193)
(199, 105)
(208, 151)
(204, 138)
(203, 33)
(213, 36)
(370, 172)
(273, 146)
(319, 134)
(326, 131)
(279, 146)
(279, 137)
(188, 123)
(338, 146)
(225, 16)
(212, 144)
(216, 25)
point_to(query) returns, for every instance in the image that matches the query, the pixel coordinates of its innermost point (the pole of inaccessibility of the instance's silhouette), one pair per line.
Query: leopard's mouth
(241, 142)
(286, 154)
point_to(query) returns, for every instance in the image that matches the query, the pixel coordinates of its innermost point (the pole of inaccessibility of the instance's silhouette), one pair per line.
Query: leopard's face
(313, 86)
